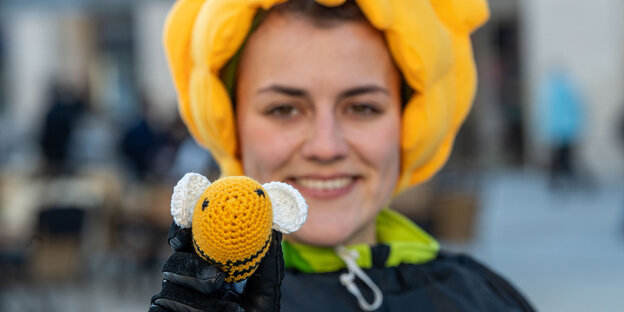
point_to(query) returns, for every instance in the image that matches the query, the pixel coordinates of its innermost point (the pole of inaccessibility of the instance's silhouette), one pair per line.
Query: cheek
(381, 149)
(264, 149)
(387, 166)
(382, 154)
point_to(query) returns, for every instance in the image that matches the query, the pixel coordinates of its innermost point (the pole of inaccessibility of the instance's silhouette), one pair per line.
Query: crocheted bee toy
(231, 219)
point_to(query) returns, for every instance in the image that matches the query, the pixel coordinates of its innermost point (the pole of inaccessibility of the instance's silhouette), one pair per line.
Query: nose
(325, 142)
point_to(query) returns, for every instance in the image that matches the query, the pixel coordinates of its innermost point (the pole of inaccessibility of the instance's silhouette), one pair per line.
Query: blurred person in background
(140, 143)
(351, 103)
(150, 148)
(620, 135)
(66, 107)
(563, 122)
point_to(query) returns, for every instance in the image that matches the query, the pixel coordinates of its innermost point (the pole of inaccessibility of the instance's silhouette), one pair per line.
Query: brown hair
(317, 14)
(321, 15)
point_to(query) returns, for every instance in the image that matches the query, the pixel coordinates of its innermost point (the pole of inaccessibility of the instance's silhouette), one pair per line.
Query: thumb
(180, 239)
(262, 291)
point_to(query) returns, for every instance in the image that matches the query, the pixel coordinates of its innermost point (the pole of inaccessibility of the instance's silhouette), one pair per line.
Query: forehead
(293, 49)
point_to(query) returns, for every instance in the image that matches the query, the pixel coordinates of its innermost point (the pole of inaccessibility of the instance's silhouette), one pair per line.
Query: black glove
(192, 284)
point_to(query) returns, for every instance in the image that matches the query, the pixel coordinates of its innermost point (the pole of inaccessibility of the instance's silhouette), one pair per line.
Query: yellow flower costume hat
(429, 40)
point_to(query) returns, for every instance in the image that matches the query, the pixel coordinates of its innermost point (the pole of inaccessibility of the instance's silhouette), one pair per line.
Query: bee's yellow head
(232, 226)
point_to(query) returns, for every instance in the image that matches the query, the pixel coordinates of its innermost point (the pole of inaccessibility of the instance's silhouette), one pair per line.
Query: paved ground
(564, 250)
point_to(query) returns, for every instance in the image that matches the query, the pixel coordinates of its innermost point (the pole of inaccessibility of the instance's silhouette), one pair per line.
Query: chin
(321, 236)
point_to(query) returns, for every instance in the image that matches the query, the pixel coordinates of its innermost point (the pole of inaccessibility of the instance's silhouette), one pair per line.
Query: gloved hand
(192, 284)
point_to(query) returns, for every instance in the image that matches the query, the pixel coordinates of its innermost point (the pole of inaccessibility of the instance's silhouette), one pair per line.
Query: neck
(366, 235)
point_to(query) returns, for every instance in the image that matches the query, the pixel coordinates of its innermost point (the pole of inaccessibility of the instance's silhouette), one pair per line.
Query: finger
(262, 291)
(190, 271)
(174, 297)
(156, 308)
(180, 239)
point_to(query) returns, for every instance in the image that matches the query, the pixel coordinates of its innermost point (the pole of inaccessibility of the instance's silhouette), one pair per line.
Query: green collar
(408, 244)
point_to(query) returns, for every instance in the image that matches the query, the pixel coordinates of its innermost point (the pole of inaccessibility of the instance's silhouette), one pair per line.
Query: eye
(260, 192)
(283, 111)
(205, 204)
(363, 109)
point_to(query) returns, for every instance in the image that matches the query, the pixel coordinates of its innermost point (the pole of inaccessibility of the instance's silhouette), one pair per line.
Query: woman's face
(319, 108)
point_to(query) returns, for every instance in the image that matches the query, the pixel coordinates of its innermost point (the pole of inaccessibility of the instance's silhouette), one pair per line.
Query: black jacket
(448, 283)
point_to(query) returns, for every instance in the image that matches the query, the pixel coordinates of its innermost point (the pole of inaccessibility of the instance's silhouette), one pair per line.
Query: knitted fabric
(232, 224)
(185, 194)
(289, 208)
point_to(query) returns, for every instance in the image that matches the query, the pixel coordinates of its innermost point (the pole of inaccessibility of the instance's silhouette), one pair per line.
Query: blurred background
(91, 146)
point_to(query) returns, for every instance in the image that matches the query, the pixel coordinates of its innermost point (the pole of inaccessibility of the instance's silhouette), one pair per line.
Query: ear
(289, 208)
(185, 195)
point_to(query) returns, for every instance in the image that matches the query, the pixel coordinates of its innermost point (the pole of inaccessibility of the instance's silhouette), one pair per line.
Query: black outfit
(447, 283)
(443, 282)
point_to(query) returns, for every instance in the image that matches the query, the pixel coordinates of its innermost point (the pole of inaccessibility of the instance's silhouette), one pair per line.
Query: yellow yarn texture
(232, 224)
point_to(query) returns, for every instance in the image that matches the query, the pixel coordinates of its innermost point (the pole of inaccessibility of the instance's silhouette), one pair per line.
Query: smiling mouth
(324, 187)
(324, 184)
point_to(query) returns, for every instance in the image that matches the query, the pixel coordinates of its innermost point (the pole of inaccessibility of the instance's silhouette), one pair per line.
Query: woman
(350, 103)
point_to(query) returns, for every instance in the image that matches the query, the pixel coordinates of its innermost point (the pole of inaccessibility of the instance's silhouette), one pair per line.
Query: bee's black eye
(260, 192)
(205, 204)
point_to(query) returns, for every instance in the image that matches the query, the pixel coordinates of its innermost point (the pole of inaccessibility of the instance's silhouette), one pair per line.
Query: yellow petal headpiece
(428, 39)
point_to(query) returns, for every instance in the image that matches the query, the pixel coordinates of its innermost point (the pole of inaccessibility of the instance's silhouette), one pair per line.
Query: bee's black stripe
(236, 273)
(252, 257)
(230, 263)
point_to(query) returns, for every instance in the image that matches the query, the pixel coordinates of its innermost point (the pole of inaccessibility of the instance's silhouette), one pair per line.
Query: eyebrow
(362, 90)
(291, 91)
(297, 92)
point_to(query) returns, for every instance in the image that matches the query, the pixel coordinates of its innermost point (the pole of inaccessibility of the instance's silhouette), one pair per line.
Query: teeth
(324, 184)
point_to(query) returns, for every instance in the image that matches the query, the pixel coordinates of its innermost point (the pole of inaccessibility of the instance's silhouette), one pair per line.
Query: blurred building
(110, 52)
(115, 47)
(97, 68)
(110, 48)
(523, 43)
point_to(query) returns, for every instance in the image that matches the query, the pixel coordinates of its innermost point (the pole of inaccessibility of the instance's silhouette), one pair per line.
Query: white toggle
(348, 279)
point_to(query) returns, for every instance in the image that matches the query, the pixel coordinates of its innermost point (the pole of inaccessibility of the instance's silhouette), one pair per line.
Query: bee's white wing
(185, 195)
(289, 207)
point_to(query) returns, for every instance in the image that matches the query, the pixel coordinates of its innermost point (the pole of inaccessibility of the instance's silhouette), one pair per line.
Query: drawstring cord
(348, 279)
